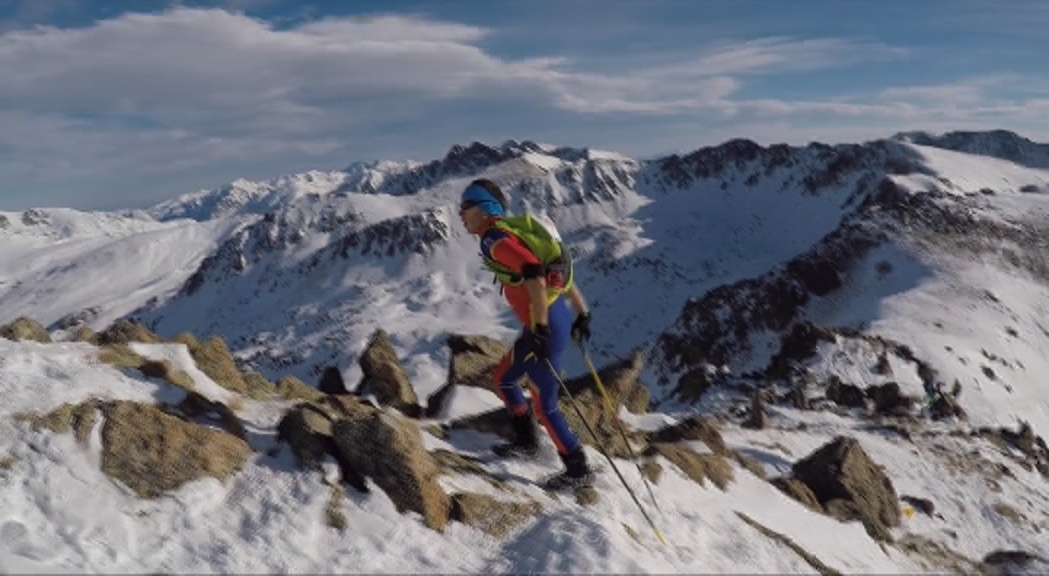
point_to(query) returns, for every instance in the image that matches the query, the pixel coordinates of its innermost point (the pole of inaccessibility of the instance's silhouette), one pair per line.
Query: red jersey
(509, 251)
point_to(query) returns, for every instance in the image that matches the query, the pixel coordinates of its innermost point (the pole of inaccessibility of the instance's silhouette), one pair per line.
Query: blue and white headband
(477, 195)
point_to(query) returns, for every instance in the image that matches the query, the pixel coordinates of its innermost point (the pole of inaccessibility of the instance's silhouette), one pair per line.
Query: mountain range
(782, 274)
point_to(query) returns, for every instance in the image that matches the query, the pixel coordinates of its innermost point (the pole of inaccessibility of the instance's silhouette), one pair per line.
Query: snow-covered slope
(949, 261)
(919, 260)
(68, 267)
(59, 513)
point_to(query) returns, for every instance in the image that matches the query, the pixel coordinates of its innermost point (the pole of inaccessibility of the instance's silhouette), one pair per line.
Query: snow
(641, 251)
(269, 517)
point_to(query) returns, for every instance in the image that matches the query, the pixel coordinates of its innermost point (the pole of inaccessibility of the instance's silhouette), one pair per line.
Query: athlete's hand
(581, 328)
(539, 341)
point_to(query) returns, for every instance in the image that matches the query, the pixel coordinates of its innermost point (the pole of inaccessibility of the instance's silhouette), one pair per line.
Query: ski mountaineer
(542, 297)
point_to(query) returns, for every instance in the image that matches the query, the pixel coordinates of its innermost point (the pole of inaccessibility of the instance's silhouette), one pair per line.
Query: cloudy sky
(123, 103)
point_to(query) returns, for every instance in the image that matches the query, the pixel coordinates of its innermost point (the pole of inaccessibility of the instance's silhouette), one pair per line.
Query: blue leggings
(516, 363)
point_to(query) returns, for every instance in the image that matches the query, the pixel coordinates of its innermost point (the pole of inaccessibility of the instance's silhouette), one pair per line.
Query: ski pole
(619, 424)
(604, 452)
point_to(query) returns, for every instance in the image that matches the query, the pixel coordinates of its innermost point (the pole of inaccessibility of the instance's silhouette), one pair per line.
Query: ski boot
(576, 476)
(525, 443)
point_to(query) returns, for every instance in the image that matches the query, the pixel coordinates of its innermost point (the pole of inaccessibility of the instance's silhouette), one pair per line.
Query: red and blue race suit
(508, 250)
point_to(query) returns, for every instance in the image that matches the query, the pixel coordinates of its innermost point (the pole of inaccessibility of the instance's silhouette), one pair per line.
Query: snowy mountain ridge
(793, 294)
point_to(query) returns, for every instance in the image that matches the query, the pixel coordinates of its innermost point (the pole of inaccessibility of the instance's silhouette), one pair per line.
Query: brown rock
(889, 401)
(24, 328)
(698, 467)
(125, 332)
(799, 491)
(693, 428)
(389, 449)
(331, 381)
(152, 452)
(473, 359)
(385, 378)
(841, 470)
(493, 516)
(214, 359)
(307, 429)
(847, 395)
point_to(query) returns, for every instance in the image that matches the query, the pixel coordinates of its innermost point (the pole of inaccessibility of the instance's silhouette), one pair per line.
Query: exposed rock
(80, 418)
(946, 406)
(698, 467)
(331, 382)
(152, 452)
(124, 332)
(84, 334)
(78, 319)
(389, 449)
(798, 398)
(195, 407)
(493, 516)
(307, 429)
(304, 428)
(757, 418)
(165, 370)
(1013, 562)
(799, 491)
(923, 505)
(799, 344)
(718, 328)
(1033, 447)
(473, 359)
(847, 395)
(258, 386)
(883, 367)
(385, 378)
(492, 422)
(214, 359)
(889, 401)
(435, 402)
(291, 388)
(24, 328)
(692, 428)
(693, 384)
(842, 471)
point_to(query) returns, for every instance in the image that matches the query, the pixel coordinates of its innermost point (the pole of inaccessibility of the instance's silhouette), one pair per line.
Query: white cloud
(196, 97)
(783, 54)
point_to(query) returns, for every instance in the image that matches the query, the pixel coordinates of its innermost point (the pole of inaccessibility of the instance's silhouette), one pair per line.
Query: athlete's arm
(575, 298)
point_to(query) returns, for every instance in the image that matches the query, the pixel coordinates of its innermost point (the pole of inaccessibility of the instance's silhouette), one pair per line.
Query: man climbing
(542, 297)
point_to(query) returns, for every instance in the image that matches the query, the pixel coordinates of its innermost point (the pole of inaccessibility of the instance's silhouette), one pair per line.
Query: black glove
(539, 341)
(581, 328)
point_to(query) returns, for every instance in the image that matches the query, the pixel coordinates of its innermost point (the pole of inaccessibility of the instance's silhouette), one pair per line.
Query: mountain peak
(1001, 144)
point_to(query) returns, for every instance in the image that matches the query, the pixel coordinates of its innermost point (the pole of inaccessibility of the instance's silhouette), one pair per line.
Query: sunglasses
(466, 205)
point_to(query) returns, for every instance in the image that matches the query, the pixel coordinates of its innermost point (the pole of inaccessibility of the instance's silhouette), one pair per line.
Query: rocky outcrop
(473, 359)
(384, 377)
(308, 429)
(124, 332)
(388, 448)
(24, 328)
(152, 452)
(214, 359)
(495, 517)
(848, 484)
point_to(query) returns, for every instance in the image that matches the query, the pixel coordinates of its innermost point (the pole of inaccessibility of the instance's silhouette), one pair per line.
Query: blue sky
(121, 104)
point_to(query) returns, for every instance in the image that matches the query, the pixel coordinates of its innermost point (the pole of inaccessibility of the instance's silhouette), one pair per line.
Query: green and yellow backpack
(543, 241)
